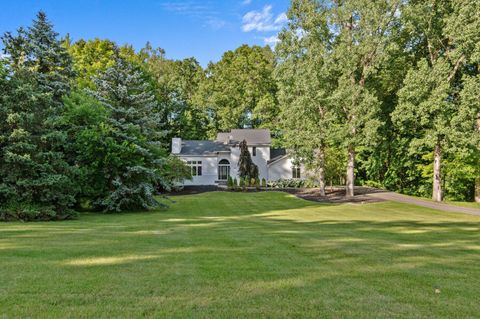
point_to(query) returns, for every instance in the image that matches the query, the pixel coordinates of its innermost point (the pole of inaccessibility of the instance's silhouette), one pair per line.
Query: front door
(223, 172)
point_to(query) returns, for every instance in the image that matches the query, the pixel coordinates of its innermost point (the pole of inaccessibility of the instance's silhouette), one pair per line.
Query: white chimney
(176, 145)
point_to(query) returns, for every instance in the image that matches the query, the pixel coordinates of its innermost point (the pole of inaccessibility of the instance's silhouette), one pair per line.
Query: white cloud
(281, 19)
(196, 9)
(263, 20)
(215, 23)
(246, 2)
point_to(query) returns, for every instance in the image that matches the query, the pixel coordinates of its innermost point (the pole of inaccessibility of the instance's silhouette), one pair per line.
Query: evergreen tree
(39, 50)
(134, 130)
(36, 179)
(246, 168)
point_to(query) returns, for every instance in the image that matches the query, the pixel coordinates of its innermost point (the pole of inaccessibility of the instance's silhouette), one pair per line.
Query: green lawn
(465, 204)
(237, 255)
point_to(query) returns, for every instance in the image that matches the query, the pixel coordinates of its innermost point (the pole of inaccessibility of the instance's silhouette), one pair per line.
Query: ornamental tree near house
(246, 167)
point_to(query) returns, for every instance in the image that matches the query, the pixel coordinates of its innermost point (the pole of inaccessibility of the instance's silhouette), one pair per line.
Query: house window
(254, 151)
(196, 167)
(296, 172)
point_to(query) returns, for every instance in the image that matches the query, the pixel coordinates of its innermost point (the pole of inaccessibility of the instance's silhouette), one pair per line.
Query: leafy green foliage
(292, 183)
(239, 90)
(175, 84)
(436, 101)
(229, 183)
(242, 184)
(90, 58)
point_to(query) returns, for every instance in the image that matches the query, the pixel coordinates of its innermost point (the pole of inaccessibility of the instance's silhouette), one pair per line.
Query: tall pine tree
(133, 155)
(36, 179)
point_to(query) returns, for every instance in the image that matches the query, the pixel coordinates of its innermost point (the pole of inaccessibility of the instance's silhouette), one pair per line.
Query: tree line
(380, 93)
(388, 88)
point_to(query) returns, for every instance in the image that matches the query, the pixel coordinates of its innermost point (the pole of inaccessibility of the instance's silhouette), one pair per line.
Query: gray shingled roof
(191, 147)
(252, 136)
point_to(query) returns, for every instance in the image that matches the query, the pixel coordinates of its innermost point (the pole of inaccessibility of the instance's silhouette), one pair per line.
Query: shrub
(242, 183)
(174, 171)
(264, 183)
(257, 184)
(235, 184)
(253, 182)
(291, 183)
(373, 184)
(33, 212)
(229, 183)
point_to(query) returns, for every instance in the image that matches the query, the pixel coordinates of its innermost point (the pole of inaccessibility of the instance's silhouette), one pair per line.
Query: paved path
(425, 203)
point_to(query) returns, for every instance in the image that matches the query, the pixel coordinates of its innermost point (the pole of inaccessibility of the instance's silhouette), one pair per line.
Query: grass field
(465, 204)
(238, 255)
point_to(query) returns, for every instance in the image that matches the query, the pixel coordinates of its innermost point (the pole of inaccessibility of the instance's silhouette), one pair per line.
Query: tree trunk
(437, 174)
(477, 190)
(350, 192)
(321, 170)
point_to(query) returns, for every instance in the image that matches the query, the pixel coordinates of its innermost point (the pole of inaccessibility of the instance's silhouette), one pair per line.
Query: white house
(213, 161)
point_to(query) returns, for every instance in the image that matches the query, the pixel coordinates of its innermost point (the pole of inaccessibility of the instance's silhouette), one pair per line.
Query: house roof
(193, 147)
(252, 136)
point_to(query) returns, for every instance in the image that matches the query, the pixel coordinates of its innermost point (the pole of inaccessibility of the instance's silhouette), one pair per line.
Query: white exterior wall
(263, 155)
(210, 165)
(282, 169)
(209, 170)
(234, 157)
(261, 159)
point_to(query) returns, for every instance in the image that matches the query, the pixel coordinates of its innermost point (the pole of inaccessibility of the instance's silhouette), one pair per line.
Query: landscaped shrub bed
(292, 183)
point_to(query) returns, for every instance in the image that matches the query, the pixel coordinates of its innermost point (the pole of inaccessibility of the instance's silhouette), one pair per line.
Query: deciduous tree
(239, 90)
(436, 100)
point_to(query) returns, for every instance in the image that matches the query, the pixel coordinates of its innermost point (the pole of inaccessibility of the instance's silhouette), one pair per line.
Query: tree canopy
(382, 93)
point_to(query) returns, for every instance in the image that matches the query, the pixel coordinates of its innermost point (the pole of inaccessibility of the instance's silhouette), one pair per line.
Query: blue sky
(184, 28)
